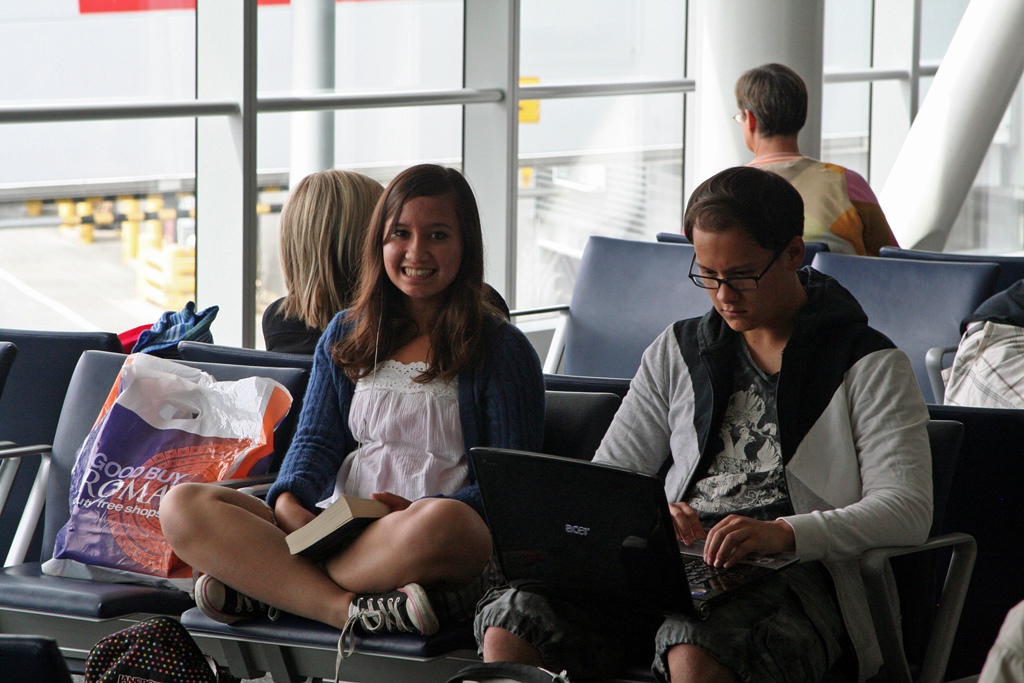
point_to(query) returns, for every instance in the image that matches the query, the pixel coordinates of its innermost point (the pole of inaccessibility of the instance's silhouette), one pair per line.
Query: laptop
(561, 526)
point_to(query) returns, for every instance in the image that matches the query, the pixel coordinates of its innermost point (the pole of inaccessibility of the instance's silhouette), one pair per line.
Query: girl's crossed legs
(232, 536)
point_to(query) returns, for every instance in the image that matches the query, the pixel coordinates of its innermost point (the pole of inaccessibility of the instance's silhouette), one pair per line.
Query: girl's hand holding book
(395, 502)
(290, 514)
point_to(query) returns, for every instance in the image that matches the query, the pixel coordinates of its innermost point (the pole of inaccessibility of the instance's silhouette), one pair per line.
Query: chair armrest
(254, 486)
(933, 359)
(258, 490)
(10, 460)
(557, 347)
(873, 564)
(10, 450)
(558, 308)
(247, 482)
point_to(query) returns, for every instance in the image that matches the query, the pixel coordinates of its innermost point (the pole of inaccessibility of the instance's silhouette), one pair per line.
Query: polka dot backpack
(157, 650)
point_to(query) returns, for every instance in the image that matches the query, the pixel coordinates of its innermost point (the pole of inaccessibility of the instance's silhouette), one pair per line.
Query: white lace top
(410, 435)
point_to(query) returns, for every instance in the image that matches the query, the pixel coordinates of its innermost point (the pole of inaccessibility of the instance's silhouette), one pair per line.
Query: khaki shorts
(787, 628)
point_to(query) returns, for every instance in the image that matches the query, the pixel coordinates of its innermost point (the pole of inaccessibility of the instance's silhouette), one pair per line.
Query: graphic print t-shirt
(746, 476)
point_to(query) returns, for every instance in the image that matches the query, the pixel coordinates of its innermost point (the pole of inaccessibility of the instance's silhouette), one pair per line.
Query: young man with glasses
(839, 207)
(780, 421)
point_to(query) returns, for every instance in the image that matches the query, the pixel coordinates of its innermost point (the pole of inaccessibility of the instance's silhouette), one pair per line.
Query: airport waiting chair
(202, 352)
(293, 648)
(917, 304)
(575, 421)
(8, 352)
(612, 385)
(1011, 268)
(812, 249)
(32, 659)
(916, 643)
(679, 238)
(626, 293)
(987, 503)
(34, 394)
(672, 238)
(30, 407)
(78, 613)
(8, 468)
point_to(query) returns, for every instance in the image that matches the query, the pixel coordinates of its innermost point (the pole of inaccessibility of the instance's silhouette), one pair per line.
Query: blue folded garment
(172, 327)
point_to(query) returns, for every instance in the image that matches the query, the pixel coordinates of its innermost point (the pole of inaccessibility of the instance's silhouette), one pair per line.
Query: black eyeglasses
(736, 284)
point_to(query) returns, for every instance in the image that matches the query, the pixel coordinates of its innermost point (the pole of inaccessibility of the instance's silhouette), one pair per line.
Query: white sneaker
(226, 605)
(405, 610)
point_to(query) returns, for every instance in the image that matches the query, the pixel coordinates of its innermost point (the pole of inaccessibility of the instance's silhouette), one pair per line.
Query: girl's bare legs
(436, 542)
(231, 536)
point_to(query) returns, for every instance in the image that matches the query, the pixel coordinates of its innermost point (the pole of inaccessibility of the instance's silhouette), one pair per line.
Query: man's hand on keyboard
(735, 537)
(687, 525)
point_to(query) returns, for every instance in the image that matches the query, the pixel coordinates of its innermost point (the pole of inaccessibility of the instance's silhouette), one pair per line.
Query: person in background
(419, 370)
(839, 207)
(323, 227)
(779, 422)
(988, 369)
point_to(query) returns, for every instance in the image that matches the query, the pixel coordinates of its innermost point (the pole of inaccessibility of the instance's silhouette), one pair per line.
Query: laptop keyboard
(701, 575)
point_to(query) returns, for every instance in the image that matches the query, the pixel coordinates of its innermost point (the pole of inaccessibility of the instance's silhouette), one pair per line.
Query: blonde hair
(323, 229)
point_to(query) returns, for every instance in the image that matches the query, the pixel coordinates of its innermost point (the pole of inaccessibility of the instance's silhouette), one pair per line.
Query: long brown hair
(379, 310)
(323, 230)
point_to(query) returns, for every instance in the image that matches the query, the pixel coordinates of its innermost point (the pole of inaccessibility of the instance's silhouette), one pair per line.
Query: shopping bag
(162, 424)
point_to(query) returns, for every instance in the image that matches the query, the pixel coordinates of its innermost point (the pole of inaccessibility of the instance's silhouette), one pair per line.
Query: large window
(846, 107)
(600, 165)
(98, 128)
(384, 47)
(95, 225)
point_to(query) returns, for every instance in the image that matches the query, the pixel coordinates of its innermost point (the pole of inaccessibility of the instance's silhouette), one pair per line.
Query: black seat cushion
(26, 587)
(34, 659)
(294, 631)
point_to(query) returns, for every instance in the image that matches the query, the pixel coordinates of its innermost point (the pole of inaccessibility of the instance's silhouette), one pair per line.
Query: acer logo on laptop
(577, 530)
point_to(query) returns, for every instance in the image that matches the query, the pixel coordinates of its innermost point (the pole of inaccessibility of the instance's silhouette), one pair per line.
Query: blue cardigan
(500, 405)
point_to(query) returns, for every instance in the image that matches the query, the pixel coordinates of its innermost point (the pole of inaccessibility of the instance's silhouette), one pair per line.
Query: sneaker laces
(246, 606)
(386, 615)
(345, 650)
(375, 614)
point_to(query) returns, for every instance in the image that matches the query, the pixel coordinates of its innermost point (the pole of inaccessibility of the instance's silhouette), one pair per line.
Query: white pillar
(727, 37)
(226, 169)
(946, 145)
(491, 164)
(313, 59)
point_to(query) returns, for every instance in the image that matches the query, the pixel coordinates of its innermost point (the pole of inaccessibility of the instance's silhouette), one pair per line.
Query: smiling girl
(417, 372)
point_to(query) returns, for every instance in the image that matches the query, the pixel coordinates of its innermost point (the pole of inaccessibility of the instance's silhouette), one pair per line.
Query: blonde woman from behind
(323, 228)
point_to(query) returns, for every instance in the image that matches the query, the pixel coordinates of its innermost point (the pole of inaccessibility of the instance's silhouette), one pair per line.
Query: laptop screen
(564, 525)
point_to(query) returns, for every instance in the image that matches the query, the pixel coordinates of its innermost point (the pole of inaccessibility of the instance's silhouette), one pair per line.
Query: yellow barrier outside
(167, 275)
